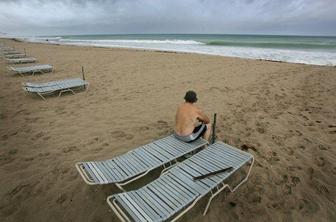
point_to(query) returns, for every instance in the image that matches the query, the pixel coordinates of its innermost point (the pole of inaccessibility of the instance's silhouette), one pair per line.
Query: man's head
(190, 97)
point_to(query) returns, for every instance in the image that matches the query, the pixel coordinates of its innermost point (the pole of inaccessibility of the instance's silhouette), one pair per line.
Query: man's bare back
(188, 117)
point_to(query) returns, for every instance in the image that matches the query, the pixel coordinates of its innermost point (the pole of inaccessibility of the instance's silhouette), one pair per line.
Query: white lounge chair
(10, 52)
(126, 168)
(21, 60)
(32, 69)
(60, 86)
(5, 48)
(178, 190)
(15, 56)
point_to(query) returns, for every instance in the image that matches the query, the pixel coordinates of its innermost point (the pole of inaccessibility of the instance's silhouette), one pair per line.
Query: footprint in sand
(322, 189)
(277, 140)
(2, 116)
(332, 132)
(261, 130)
(24, 189)
(61, 198)
(28, 130)
(232, 204)
(295, 180)
(46, 138)
(12, 152)
(305, 117)
(143, 128)
(311, 173)
(4, 137)
(302, 147)
(28, 159)
(164, 127)
(39, 135)
(162, 124)
(122, 134)
(98, 149)
(272, 156)
(246, 147)
(298, 133)
(322, 147)
(20, 111)
(319, 161)
(44, 154)
(14, 133)
(70, 149)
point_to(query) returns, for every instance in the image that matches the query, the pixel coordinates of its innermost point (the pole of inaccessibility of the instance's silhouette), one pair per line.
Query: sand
(283, 114)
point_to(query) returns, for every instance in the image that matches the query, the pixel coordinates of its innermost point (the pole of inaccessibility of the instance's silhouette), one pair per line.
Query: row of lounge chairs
(189, 171)
(41, 89)
(16, 57)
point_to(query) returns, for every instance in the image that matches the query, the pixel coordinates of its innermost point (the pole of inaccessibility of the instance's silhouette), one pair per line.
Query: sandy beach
(282, 113)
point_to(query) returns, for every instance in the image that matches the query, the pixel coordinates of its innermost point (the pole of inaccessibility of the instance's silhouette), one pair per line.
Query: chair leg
(120, 214)
(226, 185)
(212, 196)
(186, 210)
(41, 96)
(120, 187)
(243, 180)
(67, 90)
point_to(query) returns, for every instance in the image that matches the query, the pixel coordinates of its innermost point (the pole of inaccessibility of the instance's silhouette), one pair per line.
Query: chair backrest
(138, 161)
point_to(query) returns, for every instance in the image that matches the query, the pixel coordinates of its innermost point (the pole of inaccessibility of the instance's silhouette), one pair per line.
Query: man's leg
(207, 133)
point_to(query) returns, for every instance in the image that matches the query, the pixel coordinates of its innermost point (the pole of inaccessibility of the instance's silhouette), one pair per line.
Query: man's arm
(202, 117)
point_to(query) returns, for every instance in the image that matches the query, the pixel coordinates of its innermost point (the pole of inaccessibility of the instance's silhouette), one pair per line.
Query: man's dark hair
(190, 97)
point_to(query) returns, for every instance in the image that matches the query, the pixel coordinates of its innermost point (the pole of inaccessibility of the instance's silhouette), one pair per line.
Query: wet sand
(283, 114)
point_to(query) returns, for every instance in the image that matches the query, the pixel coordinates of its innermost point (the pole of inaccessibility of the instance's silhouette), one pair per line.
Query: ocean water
(317, 50)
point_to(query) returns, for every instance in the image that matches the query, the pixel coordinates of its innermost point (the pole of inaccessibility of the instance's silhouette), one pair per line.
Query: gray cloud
(42, 17)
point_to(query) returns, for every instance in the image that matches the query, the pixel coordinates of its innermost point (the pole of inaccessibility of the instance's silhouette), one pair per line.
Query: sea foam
(306, 56)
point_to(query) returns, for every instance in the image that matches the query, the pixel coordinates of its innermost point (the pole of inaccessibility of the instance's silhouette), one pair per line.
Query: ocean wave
(280, 45)
(306, 56)
(42, 39)
(136, 41)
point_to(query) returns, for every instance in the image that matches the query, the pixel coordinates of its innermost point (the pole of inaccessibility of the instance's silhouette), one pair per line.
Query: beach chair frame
(59, 91)
(21, 60)
(122, 214)
(33, 72)
(121, 184)
(10, 52)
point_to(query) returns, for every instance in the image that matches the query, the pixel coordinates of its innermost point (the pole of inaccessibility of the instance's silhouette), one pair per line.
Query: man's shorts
(197, 133)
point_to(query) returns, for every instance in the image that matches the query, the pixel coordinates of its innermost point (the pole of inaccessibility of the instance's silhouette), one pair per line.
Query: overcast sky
(59, 17)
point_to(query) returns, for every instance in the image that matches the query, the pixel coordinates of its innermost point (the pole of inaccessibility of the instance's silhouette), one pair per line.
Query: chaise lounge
(21, 60)
(32, 69)
(60, 86)
(126, 168)
(15, 56)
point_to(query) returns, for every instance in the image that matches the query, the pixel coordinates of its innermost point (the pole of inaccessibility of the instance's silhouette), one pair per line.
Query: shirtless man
(190, 122)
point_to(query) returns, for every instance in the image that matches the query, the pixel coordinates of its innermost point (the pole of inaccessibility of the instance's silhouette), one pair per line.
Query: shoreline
(282, 113)
(167, 51)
